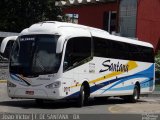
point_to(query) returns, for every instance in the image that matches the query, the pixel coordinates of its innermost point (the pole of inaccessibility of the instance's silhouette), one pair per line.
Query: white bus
(55, 60)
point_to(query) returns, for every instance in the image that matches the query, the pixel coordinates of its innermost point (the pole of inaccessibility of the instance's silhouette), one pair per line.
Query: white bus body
(56, 60)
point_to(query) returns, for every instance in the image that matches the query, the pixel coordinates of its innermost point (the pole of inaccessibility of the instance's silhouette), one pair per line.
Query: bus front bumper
(26, 93)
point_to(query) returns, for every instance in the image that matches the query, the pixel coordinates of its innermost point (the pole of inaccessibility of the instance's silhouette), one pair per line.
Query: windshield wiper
(36, 59)
(40, 65)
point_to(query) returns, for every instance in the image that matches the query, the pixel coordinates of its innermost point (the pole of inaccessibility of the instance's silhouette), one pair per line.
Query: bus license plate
(30, 92)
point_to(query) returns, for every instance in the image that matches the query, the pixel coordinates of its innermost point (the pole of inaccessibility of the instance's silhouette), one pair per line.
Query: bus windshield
(35, 55)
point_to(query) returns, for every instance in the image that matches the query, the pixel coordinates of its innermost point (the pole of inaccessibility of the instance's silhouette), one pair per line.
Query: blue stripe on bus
(148, 74)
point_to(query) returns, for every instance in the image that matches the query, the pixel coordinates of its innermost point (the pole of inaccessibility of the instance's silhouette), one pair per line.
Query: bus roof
(53, 27)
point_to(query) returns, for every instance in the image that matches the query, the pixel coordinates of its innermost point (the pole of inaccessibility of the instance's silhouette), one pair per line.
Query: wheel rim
(81, 99)
(136, 94)
(83, 96)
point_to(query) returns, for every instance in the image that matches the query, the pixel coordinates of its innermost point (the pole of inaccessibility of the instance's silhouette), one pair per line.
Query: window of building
(72, 18)
(110, 23)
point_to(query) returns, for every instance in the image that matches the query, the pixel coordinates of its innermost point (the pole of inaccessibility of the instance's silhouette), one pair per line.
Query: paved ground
(147, 108)
(101, 106)
(145, 105)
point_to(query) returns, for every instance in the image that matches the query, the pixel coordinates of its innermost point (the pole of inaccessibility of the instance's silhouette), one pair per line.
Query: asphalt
(144, 105)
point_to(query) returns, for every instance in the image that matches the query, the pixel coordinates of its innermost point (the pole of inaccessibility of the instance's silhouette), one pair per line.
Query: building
(101, 14)
(148, 22)
(129, 18)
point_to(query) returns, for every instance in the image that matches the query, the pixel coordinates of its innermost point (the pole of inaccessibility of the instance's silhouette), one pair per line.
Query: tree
(157, 64)
(15, 15)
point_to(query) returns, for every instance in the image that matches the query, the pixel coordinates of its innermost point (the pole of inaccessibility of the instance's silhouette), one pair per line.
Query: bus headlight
(9, 84)
(56, 84)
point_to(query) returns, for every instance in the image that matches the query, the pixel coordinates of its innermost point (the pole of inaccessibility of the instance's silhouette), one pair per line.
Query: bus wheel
(133, 98)
(82, 99)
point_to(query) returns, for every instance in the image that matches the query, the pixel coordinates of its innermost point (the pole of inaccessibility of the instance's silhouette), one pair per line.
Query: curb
(3, 81)
(154, 94)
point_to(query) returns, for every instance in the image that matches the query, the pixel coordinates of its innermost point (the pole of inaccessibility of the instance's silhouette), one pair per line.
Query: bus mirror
(5, 41)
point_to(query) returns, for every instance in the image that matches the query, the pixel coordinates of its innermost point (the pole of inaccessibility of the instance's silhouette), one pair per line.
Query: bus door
(76, 61)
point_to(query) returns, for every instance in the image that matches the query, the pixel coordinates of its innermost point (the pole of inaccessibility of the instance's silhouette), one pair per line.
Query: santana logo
(115, 67)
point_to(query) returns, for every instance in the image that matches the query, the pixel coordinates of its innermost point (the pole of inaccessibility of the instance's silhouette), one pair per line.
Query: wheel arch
(139, 86)
(86, 87)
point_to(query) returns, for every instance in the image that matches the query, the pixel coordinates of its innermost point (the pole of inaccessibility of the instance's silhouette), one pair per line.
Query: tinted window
(78, 50)
(101, 47)
(147, 54)
(120, 50)
(35, 55)
(134, 52)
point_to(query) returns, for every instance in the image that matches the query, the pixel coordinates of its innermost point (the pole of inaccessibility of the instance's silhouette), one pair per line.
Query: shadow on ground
(61, 104)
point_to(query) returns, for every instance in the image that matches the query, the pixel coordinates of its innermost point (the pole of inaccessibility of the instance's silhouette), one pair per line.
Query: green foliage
(15, 15)
(157, 66)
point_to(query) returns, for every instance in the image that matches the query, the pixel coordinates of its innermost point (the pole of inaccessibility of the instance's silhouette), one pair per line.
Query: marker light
(9, 84)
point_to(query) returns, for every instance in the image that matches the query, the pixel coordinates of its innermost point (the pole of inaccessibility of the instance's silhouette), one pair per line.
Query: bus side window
(101, 47)
(134, 53)
(78, 49)
(148, 54)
